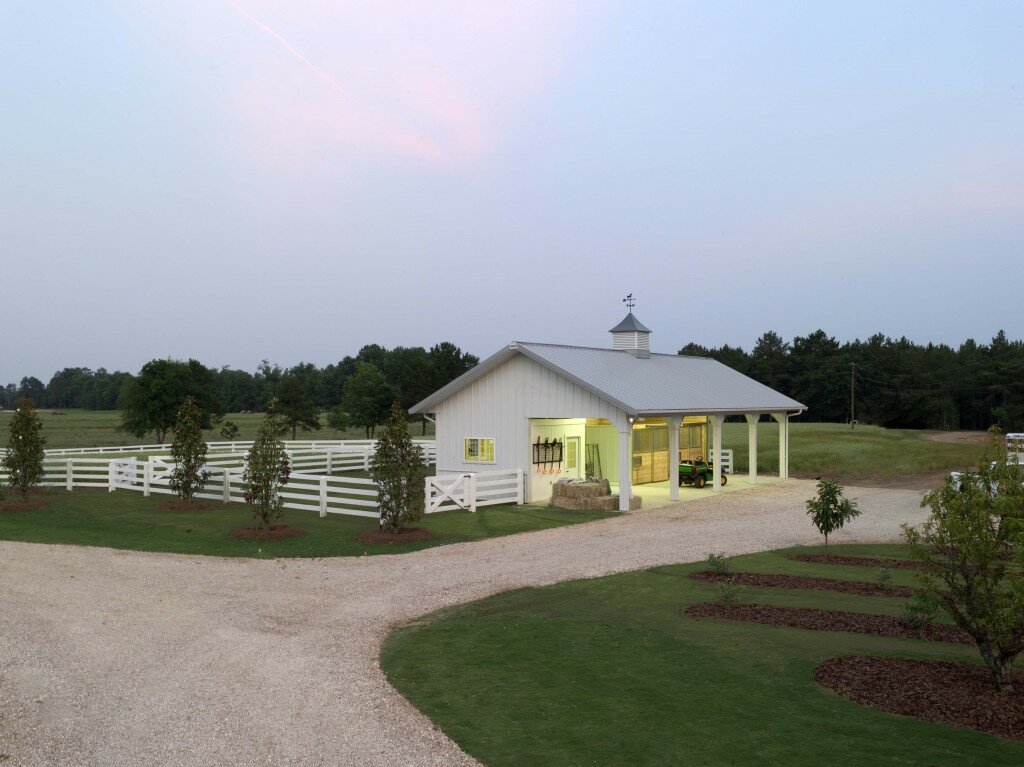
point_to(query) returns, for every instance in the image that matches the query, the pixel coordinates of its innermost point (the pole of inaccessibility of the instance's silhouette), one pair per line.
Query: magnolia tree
(399, 468)
(267, 470)
(23, 460)
(829, 510)
(188, 451)
(972, 551)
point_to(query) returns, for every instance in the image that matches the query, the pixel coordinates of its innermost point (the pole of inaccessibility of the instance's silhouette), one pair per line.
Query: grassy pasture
(607, 671)
(126, 519)
(92, 428)
(832, 449)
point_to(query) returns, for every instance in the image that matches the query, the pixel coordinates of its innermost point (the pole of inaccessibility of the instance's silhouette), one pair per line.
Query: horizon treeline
(897, 383)
(411, 372)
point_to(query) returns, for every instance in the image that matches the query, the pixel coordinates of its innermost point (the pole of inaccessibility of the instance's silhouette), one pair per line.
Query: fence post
(147, 476)
(330, 461)
(111, 476)
(227, 485)
(426, 494)
(470, 497)
(323, 496)
(520, 483)
(366, 459)
(70, 482)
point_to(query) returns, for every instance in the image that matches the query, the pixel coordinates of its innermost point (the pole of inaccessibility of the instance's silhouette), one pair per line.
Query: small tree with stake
(972, 550)
(266, 471)
(399, 468)
(23, 460)
(830, 510)
(188, 450)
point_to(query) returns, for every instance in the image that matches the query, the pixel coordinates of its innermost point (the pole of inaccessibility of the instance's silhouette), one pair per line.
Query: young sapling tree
(399, 468)
(266, 471)
(188, 451)
(829, 510)
(23, 460)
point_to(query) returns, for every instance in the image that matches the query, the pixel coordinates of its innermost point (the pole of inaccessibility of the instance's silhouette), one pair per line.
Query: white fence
(727, 461)
(359, 446)
(305, 491)
(470, 491)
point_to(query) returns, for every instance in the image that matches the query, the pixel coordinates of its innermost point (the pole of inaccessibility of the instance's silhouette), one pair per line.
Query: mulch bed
(839, 559)
(828, 620)
(274, 533)
(957, 694)
(405, 535)
(776, 581)
(182, 506)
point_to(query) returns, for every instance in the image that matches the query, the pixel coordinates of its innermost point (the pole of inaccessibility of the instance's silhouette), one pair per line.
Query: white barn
(622, 413)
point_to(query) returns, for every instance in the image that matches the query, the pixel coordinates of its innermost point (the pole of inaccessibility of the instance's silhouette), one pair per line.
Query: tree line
(357, 391)
(896, 383)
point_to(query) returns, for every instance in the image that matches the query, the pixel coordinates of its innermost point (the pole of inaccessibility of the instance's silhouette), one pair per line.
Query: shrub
(729, 592)
(883, 577)
(921, 610)
(229, 431)
(23, 460)
(399, 468)
(719, 564)
(829, 510)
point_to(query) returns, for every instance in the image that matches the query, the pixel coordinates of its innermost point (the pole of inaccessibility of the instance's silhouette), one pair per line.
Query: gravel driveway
(125, 658)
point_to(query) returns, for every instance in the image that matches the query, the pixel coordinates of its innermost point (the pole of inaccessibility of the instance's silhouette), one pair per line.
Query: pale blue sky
(238, 181)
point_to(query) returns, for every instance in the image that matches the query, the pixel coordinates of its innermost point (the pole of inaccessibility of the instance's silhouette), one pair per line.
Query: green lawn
(833, 449)
(607, 671)
(128, 520)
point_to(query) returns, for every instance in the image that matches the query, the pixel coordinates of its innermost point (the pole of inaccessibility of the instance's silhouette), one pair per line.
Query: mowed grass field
(92, 428)
(608, 671)
(815, 448)
(129, 520)
(834, 450)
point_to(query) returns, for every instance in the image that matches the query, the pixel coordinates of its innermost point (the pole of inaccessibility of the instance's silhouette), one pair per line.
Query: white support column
(625, 467)
(752, 419)
(716, 451)
(673, 458)
(783, 420)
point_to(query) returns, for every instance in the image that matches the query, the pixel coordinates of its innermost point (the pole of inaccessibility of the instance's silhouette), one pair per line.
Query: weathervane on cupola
(630, 334)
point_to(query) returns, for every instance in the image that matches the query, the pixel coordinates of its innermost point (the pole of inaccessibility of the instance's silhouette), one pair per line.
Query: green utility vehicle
(698, 473)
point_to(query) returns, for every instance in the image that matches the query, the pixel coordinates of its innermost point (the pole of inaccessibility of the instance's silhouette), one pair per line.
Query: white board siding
(501, 404)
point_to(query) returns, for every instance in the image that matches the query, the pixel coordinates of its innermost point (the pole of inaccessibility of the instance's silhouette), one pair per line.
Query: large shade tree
(150, 401)
(295, 405)
(367, 397)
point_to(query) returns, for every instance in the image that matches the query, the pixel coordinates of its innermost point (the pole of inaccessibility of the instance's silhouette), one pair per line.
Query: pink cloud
(438, 83)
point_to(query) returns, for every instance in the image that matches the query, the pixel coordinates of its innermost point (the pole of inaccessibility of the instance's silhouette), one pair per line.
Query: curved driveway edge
(127, 658)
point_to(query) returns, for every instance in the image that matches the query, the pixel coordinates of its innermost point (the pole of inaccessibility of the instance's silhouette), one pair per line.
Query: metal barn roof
(630, 324)
(656, 385)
